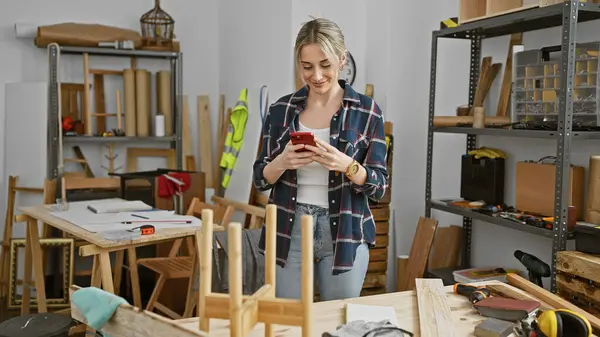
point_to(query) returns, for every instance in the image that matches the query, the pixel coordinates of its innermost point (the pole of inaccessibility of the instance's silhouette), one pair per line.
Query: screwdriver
(474, 294)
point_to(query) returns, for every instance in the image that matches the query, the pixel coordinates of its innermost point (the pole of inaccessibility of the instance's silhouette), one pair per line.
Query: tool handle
(464, 289)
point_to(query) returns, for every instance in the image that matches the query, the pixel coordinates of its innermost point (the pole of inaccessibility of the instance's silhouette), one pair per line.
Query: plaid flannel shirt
(357, 129)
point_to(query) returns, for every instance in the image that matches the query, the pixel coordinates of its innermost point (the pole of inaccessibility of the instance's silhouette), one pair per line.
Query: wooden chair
(177, 267)
(129, 321)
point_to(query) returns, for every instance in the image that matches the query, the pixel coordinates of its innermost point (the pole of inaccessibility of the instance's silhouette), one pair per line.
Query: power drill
(474, 294)
(535, 267)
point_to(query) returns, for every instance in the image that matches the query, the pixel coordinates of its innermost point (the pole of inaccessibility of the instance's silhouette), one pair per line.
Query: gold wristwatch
(352, 169)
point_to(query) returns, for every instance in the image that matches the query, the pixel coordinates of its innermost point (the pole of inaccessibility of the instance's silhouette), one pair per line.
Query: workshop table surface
(44, 214)
(329, 315)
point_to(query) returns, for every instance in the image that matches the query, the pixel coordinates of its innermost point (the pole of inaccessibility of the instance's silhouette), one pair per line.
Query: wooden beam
(435, 316)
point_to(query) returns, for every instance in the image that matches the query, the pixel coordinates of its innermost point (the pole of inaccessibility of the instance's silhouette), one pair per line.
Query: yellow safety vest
(235, 136)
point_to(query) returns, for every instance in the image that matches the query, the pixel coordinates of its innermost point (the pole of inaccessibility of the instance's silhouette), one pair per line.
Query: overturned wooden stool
(244, 311)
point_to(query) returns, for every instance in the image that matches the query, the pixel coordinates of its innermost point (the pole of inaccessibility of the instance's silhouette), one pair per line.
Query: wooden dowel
(271, 222)
(307, 274)
(119, 114)
(234, 236)
(204, 244)
(87, 119)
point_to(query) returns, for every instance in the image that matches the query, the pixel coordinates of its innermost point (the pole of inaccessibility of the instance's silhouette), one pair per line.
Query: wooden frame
(133, 153)
(68, 246)
(244, 311)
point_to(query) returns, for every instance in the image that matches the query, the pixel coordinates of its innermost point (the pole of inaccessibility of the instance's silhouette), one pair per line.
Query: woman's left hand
(330, 157)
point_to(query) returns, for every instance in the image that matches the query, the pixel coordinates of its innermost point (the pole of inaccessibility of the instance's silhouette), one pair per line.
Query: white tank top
(313, 178)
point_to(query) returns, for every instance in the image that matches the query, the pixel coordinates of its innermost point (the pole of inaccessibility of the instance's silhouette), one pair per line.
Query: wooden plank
(494, 6)
(435, 317)
(502, 109)
(446, 247)
(382, 241)
(382, 227)
(99, 103)
(129, 321)
(205, 139)
(419, 252)
(579, 264)
(378, 254)
(568, 284)
(374, 280)
(186, 136)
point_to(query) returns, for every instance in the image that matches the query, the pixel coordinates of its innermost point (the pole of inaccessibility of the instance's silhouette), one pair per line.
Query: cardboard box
(535, 188)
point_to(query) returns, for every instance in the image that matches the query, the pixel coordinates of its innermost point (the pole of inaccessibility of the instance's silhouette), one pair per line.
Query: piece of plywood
(445, 251)
(435, 316)
(205, 139)
(419, 252)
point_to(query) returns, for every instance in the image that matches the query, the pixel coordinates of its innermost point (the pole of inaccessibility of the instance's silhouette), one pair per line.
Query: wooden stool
(262, 306)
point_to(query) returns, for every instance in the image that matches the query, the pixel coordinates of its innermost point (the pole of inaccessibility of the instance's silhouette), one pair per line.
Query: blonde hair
(323, 32)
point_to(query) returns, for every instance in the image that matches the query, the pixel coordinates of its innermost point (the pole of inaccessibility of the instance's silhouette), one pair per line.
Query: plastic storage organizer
(536, 85)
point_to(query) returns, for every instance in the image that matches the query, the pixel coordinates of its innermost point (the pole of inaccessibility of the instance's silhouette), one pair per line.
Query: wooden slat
(419, 252)
(382, 227)
(435, 317)
(99, 103)
(205, 139)
(378, 254)
(377, 266)
(381, 213)
(382, 241)
(374, 280)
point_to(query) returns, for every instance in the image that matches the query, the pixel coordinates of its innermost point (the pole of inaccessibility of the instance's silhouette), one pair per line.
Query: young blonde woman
(331, 181)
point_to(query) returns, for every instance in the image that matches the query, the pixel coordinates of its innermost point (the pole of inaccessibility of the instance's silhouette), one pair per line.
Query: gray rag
(368, 329)
(253, 266)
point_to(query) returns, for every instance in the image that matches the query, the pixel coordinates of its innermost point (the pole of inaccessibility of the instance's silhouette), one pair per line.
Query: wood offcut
(419, 252)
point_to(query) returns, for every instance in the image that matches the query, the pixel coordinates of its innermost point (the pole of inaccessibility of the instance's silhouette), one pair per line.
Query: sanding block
(506, 309)
(493, 327)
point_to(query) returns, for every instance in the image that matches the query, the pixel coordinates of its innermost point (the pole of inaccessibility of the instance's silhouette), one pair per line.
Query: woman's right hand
(291, 158)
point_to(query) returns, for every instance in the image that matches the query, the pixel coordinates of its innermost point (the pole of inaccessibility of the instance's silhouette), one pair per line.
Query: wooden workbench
(98, 247)
(328, 315)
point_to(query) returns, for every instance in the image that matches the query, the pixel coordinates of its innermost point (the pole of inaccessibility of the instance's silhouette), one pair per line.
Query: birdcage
(157, 27)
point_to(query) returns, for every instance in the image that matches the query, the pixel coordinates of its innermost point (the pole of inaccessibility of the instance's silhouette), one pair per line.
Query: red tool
(145, 229)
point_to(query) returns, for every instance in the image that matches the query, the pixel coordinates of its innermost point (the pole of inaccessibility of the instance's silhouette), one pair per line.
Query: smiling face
(319, 71)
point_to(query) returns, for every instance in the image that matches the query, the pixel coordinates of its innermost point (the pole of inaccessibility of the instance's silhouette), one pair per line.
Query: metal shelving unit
(566, 15)
(175, 59)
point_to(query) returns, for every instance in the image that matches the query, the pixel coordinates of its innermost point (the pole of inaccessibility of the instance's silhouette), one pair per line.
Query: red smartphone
(306, 138)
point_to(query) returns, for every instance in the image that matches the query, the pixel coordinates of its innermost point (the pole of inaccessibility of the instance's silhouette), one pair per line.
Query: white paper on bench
(79, 215)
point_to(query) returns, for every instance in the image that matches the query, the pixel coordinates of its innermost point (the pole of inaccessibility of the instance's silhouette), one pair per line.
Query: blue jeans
(331, 287)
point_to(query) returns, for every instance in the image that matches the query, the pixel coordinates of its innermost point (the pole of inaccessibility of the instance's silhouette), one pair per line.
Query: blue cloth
(357, 130)
(96, 305)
